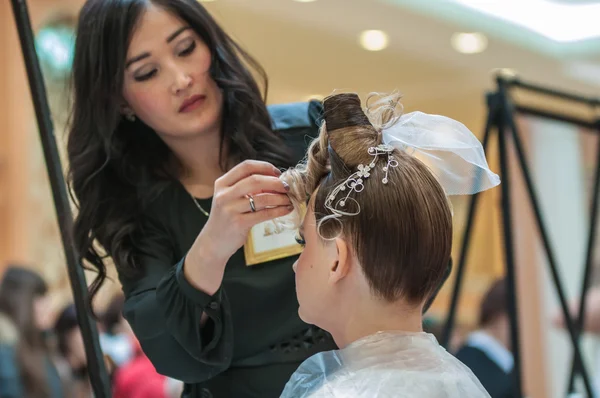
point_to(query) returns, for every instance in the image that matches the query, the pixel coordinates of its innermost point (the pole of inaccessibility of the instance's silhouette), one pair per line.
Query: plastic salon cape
(386, 364)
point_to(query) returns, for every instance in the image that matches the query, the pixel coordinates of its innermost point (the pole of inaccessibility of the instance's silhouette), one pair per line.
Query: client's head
(378, 224)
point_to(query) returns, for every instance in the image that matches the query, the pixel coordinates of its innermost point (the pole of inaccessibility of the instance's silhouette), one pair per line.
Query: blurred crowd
(42, 353)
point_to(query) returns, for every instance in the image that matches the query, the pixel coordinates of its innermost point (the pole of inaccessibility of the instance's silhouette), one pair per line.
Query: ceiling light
(54, 46)
(561, 22)
(374, 40)
(469, 43)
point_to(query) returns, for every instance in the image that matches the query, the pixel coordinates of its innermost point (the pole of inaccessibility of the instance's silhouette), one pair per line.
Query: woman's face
(167, 82)
(313, 271)
(76, 349)
(42, 312)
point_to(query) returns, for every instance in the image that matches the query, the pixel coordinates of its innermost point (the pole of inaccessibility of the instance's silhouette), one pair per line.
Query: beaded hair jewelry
(355, 182)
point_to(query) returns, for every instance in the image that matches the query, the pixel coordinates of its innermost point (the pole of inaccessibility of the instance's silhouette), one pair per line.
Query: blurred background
(442, 55)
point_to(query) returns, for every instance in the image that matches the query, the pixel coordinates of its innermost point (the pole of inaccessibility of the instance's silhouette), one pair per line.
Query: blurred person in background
(592, 312)
(487, 350)
(27, 367)
(115, 334)
(134, 376)
(72, 348)
(131, 373)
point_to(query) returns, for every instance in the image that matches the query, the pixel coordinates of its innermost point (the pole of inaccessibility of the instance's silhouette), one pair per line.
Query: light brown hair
(402, 235)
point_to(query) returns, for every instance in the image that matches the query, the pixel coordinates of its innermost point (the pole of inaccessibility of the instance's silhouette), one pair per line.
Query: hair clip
(391, 162)
(355, 182)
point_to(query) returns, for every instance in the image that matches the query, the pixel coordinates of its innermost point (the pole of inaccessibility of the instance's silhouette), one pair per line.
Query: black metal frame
(501, 110)
(95, 359)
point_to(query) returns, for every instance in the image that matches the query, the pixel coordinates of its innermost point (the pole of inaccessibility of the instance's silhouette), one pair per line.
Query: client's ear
(341, 267)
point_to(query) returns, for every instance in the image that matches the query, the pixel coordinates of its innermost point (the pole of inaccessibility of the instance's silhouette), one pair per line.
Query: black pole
(95, 360)
(509, 257)
(587, 272)
(492, 102)
(559, 117)
(508, 116)
(553, 92)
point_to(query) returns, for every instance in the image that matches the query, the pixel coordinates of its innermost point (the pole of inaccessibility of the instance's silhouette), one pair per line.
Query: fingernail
(286, 186)
(277, 171)
(290, 207)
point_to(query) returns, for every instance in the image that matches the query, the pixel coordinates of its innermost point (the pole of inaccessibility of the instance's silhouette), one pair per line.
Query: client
(378, 235)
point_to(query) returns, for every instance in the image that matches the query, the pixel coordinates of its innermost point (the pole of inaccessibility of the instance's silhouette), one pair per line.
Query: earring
(130, 116)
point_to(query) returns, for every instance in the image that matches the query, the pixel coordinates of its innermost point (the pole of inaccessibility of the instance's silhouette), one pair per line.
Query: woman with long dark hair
(25, 361)
(174, 157)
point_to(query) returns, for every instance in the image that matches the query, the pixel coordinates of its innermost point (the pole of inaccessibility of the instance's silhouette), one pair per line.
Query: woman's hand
(232, 217)
(231, 214)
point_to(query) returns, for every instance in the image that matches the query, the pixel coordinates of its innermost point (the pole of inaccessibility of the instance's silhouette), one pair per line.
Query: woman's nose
(182, 81)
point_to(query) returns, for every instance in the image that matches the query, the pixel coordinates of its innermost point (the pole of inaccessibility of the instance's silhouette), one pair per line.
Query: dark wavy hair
(117, 167)
(19, 288)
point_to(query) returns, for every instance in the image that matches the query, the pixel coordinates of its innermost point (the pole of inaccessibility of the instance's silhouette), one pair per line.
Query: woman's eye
(146, 76)
(188, 50)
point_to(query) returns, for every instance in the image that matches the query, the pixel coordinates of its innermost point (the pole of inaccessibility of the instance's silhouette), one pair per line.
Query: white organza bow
(451, 151)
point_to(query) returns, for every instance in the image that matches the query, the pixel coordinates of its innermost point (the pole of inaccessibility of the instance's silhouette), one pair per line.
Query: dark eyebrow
(171, 37)
(179, 31)
(136, 59)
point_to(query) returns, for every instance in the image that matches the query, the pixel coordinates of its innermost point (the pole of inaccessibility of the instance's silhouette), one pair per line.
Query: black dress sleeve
(164, 311)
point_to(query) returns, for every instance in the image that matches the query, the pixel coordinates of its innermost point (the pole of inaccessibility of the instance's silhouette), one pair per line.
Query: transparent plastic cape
(387, 364)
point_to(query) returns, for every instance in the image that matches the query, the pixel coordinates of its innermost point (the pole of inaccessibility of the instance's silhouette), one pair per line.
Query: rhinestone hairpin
(355, 182)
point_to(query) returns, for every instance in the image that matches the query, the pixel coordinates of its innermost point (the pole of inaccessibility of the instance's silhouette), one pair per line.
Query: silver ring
(252, 205)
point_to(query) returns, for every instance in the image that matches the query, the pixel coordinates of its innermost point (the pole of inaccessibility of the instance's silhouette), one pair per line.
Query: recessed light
(374, 40)
(469, 43)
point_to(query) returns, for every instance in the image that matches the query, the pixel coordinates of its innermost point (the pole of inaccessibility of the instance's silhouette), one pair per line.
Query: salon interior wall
(311, 52)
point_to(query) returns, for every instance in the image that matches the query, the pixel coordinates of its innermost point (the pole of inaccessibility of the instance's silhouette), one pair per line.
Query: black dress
(254, 339)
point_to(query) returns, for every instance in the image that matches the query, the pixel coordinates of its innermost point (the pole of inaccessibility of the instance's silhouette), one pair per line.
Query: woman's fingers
(268, 214)
(257, 184)
(261, 202)
(245, 169)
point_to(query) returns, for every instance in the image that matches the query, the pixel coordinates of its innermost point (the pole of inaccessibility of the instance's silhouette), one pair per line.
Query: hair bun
(344, 110)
